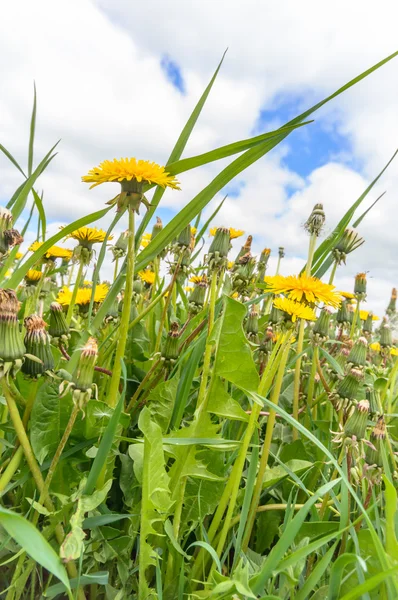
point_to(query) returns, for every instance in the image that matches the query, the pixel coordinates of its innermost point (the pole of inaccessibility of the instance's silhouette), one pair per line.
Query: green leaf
(20, 273)
(363, 215)
(285, 541)
(210, 550)
(223, 405)
(179, 149)
(336, 573)
(50, 415)
(42, 214)
(100, 578)
(32, 132)
(276, 474)
(391, 511)
(168, 527)
(33, 543)
(370, 584)
(14, 162)
(234, 360)
(316, 574)
(332, 361)
(160, 402)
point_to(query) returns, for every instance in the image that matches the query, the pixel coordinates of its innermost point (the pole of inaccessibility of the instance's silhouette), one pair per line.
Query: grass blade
(32, 132)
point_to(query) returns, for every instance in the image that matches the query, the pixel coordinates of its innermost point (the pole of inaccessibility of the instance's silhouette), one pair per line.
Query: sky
(119, 78)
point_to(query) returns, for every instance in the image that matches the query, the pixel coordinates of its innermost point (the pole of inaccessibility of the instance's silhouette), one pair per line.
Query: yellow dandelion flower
(89, 235)
(53, 252)
(127, 169)
(363, 315)
(302, 288)
(8, 274)
(197, 278)
(64, 296)
(233, 233)
(147, 276)
(18, 256)
(230, 264)
(347, 295)
(188, 289)
(84, 294)
(33, 276)
(146, 238)
(394, 351)
(296, 310)
(193, 230)
(375, 347)
(235, 295)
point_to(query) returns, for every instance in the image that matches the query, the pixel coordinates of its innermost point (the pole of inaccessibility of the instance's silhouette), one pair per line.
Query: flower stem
(267, 444)
(116, 269)
(74, 293)
(125, 318)
(333, 272)
(354, 320)
(297, 373)
(209, 346)
(311, 382)
(166, 304)
(11, 469)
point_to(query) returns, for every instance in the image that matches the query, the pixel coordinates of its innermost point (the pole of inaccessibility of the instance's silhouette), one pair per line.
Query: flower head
(233, 233)
(347, 295)
(83, 296)
(53, 252)
(296, 310)
(147, 276)
(145, 240)
(128, 169)
(33, 276)
(303, 288)
(364, 314)
(89, 235)
(198, 279)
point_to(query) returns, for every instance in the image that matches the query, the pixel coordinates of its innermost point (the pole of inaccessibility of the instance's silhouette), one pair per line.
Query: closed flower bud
(357, 356)
(373, 397)
(252, 325)
(385, 334)
(245, 249)
(316, 220)
(391, 309)
(184, 239)
(262, 263)
(243, 273)
(357, 421)
(219, 248)
(349, 386)
(157, 228)
(360, 286)
(83, 375)
(373, 452)
(37, 342)
(13, 238)
(350, 241)
(275, 316)
(367, 327)
(12, 348)
(342, 316)
(281, 252)
(170, 351)
(6, 221)
(120, 248)
(320, 331)
(196, 299)
(58, 328)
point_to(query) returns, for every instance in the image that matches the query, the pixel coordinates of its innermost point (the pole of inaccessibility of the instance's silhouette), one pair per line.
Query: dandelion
(53, 252)
(146, 239)
(233, 233)
(83, 296)
(87, 236)
(364, 314)
(147, 276)
(295, 310)
(32, 276)
(130, 169)
(302, 288)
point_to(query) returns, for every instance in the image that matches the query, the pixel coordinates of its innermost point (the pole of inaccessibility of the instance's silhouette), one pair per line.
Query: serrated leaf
(161, 402)
(223, 405)
(234, 360)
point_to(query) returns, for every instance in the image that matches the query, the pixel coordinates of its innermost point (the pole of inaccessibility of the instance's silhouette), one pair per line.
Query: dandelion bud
(243, 273)
(267, 342)
(275, 316)
(37, 342)
(219, 248)
(357, 356)
(184, 239)
(170, 351)
(342, 316)
(6, 221)
(245, 249)
(391, 309)
(320, 332)
(349, 386)
(373, 398)
(385, 334)
(373, 452)
(357, 421)
(58, 328)
(120, 248)
(12, 348)
(367, 327)
(83, 376)
(350, 241)
(252, 325)
(196, 299)
(360, 286)
(281, 252)
(316, 220)
(262, 263)
(157, 228)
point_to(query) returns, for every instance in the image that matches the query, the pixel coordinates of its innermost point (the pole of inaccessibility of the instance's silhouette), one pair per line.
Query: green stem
(11, 469)
(311, 382)
(311, 251)
(125, 317)
(333, 272)
(166, 304)
(209, 346)
(267, 445)
(354, 320)
(141, 386)
(74, 293)
(116, 269)
(297, 376)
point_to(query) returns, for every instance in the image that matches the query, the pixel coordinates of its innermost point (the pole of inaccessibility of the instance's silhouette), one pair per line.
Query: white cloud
(101, 89)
